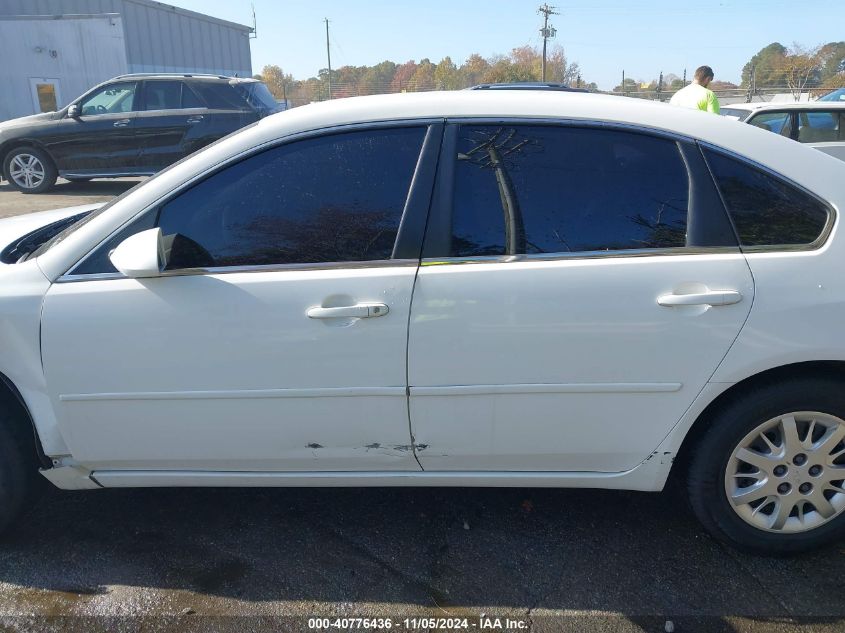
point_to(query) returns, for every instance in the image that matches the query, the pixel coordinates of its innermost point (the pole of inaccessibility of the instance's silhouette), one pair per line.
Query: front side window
(777, 122)
(111, 99)
(766, 210)
(527, 189)
(334, 198)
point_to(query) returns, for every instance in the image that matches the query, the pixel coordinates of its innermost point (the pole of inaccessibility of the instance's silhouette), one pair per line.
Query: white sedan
(447, 289)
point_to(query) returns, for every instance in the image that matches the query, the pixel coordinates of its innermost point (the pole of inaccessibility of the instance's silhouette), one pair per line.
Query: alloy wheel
(788, 474)
(27, 171)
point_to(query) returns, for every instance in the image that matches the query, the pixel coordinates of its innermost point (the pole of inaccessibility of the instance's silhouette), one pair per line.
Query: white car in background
(473, 288)
(818, 124)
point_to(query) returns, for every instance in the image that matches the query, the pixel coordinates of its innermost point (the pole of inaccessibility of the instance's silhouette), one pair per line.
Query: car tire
(29, 170)
(20, 482)
(789, 499)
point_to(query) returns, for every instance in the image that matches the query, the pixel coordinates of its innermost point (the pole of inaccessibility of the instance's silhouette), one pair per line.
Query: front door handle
(709, 298)
(121, 123)
(195, 119)
(358, 311)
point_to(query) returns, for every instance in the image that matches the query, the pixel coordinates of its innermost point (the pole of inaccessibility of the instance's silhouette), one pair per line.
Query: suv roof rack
(172, 75)
(527, 85)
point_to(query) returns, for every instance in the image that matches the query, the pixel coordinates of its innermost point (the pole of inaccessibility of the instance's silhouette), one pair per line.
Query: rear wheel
(29, 170)
(769, 475)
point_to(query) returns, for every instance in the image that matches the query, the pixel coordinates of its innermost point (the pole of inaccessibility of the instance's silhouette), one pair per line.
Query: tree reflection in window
(546, 189)
(766, 211)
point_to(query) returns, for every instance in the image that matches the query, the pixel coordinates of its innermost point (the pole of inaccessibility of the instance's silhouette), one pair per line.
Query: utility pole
(660, 85)
(624, 92)
(547, 31)
(684, 83)
(329, 56)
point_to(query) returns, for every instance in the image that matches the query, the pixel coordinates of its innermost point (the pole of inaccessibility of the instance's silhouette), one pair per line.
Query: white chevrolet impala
(448, 289)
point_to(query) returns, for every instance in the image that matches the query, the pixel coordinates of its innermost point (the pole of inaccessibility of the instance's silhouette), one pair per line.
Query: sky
(605, 37)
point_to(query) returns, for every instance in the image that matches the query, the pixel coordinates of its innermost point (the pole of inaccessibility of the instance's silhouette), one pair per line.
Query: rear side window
(169, 95)
(766, 210)
(336, 198)
(220, 96)
(528, 189)
(821, 127)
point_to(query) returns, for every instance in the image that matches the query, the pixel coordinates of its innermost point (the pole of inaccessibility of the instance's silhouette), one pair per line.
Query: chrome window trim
(278, 142)
(832, 211)
(267, 268)
(553, 257)
(573, 122)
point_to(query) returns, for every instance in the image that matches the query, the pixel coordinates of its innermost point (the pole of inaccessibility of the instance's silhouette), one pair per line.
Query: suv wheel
(769, 476)
(29, 170)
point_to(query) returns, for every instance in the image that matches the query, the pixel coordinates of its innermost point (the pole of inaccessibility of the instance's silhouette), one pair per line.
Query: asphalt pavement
(273, 560)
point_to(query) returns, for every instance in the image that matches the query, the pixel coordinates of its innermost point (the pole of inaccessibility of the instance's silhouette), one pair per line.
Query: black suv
(132, 125)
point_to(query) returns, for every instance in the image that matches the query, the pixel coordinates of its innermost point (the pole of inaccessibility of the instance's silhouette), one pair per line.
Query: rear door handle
(358, 311)
(195, 119)
(121, 123)
(709, 298)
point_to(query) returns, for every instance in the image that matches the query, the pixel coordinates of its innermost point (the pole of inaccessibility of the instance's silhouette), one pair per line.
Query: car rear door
(276, 339)
(579, 287)
(171, 124)
(823, 129)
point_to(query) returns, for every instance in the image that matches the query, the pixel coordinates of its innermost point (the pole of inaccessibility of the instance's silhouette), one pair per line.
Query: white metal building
(54, 50)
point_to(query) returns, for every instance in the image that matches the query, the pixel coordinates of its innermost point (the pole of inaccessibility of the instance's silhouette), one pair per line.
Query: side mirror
(73, 111)
(140, 255)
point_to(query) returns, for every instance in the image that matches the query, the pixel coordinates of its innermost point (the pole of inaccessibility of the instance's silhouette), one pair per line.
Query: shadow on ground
(292, 550)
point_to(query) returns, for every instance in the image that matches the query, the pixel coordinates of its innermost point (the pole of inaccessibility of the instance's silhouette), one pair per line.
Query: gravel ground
(64, 194)
(266, 560)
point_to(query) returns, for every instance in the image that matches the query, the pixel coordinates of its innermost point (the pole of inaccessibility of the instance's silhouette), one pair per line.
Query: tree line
(522, 64)
(794, 68)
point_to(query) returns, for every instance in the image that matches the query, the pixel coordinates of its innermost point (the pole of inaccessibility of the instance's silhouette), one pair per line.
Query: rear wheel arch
(808, 370)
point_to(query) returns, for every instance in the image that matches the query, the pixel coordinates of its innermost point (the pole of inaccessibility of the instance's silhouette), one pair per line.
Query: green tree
(767, 65)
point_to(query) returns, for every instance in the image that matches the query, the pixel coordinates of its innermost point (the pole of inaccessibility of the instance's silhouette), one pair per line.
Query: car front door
(101, 140)
(824, 130)
(275, 340)
(172, 123)
(579, 287)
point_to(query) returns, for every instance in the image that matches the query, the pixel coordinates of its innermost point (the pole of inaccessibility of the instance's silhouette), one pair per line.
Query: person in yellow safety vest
(697, 96)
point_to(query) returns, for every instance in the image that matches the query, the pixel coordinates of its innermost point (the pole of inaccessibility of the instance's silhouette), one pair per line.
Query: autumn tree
(276, 80)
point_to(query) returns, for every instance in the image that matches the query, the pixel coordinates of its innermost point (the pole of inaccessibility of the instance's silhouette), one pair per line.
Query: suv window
(335, 198)
(220, 96)
(169, 95)
(766, 210)
(110, 99)
(546, 189)
(820, 127)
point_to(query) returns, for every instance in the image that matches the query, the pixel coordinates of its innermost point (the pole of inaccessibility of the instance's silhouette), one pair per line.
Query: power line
(547, 31)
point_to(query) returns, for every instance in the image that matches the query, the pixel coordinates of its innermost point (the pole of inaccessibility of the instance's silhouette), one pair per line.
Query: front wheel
(769, 475)
(30, 170)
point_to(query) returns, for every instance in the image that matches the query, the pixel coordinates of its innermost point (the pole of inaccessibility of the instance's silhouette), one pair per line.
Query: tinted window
(111, 99)
(329, 199)
(189, 98)
(162, 95)
(544, 189)
(765, 210)
(220, 96)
